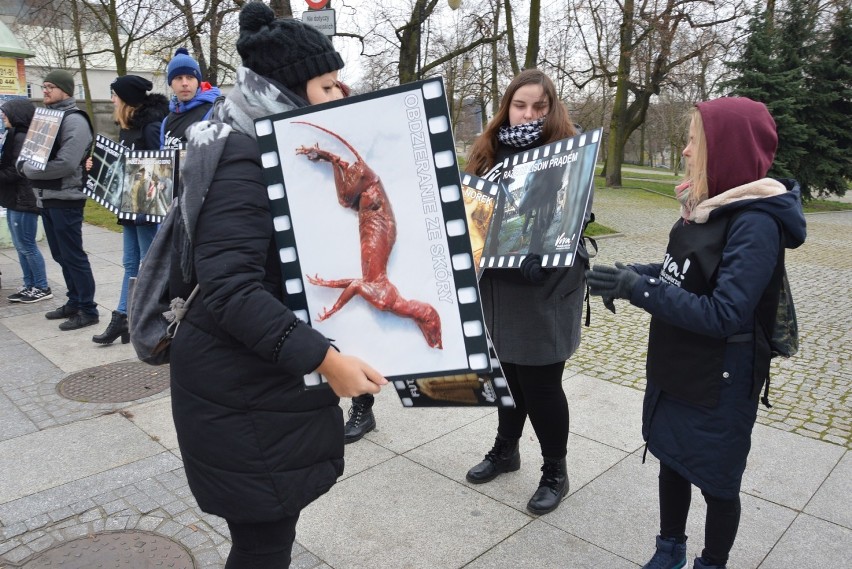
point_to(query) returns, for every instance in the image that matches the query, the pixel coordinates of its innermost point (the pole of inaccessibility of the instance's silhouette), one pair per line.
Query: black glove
(532, 270)
(611, 282)
(609, 303)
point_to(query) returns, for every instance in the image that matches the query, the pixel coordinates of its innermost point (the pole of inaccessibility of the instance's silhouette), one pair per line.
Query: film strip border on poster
(550, 259)
(483, 389)
(32, 145)
(481, 184)
(114, 147)
(146, 155)
(452, 207)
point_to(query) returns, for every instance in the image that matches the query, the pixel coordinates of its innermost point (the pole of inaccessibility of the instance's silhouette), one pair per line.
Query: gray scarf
(252, 97)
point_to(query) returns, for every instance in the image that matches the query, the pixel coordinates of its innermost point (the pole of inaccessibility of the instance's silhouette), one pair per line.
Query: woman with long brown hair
(532, 313)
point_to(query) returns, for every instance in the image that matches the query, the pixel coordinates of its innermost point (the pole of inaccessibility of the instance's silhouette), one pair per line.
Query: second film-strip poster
(41, 137)
(480, 198)
(544, 198)
(373, 243)
(135, 184)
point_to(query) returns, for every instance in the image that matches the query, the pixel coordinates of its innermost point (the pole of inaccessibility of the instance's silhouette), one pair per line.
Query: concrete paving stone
(89, 354)
(149, 523)
(368, 517)
(363, 454)
(394, 422)
(13, 423)
(18, 554)
(37, 522)
(116, 523)
(98, 484)
(41, 543)
(785, 468)
(74, 532)
(539, 545)
(305, 560)
(811, 543)
(605, 412)
(833, 500)
(453, 454)
(8, 545)
(155, 418)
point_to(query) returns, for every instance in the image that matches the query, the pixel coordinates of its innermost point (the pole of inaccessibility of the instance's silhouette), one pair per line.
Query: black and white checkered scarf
(521, 135)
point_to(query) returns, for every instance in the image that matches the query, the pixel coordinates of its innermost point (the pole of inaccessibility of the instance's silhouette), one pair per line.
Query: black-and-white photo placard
(544, 199)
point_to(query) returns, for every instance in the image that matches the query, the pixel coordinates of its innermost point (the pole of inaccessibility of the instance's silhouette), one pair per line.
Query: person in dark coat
(257, 446)
(22, 212)
(532, 313)
(708, 350)
(138, 114)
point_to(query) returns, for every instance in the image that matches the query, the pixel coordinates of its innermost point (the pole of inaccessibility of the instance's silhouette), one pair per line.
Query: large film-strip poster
(41, 137)
(370, 223)
(135, 184)
(544, 198)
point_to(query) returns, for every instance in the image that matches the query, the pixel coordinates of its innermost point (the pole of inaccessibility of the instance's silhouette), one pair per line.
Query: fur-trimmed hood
(154, 108)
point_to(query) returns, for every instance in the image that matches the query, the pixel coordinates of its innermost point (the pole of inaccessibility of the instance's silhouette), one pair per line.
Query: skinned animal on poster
(360, 188)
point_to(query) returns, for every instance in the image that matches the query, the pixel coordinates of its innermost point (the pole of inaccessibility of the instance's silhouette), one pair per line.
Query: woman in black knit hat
(138, 115)
(257, 446)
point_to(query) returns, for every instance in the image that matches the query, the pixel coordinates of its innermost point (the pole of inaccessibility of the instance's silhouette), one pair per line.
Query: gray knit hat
(285, 49)
(62, 79)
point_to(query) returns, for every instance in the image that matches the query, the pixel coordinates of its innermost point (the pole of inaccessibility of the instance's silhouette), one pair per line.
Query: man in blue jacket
(59, 193)
(192, 100)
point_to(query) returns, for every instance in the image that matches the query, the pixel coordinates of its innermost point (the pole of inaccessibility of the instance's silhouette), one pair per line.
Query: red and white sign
(316, 4)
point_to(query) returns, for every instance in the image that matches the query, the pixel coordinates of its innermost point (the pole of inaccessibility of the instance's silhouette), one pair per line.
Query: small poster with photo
(370, 224)
(135, 184)
(545, 196)
(471, 389)
(480, 198)
(41, 137)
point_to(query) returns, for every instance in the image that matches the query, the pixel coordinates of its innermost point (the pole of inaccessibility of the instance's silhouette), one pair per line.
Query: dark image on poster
(544, 198)
(471, 389)
(370, 224)
(135, 184)
(480, 198)
(148, 184)
(41, 137)
(105, 179)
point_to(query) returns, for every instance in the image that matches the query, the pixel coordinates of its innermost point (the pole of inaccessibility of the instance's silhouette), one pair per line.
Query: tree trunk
(81, 61)
(531, 60)
(510, 38)
(618, 120)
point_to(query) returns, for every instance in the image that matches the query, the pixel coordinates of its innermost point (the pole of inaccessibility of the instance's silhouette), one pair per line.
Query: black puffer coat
(16, 191)
(255, 444)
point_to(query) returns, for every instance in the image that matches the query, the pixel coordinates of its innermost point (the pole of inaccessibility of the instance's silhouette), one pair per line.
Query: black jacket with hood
(16, 191)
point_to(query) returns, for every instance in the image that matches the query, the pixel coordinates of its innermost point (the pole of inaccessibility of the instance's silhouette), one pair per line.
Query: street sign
(317, 4)
(323, 20)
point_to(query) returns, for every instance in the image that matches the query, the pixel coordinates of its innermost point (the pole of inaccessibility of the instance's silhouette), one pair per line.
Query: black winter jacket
(256, 445)
(16, 191)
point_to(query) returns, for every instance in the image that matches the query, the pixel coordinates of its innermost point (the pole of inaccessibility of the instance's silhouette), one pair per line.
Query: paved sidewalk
(69, 469)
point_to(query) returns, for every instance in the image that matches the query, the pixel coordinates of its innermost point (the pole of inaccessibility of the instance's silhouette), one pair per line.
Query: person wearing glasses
(59, 194)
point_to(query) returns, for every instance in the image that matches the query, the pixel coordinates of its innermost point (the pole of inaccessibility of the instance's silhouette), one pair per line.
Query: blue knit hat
(182, 64)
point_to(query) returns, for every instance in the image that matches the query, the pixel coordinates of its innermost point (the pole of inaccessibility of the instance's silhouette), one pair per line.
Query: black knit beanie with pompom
(284, 49)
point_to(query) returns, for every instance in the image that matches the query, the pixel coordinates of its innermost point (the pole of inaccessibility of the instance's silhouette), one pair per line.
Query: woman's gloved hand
(532, 270)
(611, 282)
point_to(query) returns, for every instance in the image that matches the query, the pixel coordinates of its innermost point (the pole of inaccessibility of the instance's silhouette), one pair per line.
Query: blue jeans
(23, 226)
(63, 227)
(137, 240)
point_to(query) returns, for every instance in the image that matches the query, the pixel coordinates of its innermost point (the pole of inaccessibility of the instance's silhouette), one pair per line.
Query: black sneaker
(78, 321)
(361, 419)
(35, 294)
(61, 313)
(16, 297)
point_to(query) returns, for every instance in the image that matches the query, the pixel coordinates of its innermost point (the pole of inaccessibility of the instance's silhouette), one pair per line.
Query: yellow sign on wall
(12, 78)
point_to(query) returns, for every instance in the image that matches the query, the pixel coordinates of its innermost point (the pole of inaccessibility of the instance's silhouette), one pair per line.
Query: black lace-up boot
(503, 457)
(361, 419)
(552, 487)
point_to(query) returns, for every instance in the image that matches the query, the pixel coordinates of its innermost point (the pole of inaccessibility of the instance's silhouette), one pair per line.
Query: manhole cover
(124, 549)
(115, 383)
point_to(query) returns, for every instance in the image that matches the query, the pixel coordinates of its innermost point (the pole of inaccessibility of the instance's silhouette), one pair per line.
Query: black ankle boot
(552, 487)
(361, 419)
(117, 327)
(503, 457)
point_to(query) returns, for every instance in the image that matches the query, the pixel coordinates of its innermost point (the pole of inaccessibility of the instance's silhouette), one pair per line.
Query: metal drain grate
(115, 383)
(132, 549)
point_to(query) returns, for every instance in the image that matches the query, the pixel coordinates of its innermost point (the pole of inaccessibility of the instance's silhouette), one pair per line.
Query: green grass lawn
(96, 214)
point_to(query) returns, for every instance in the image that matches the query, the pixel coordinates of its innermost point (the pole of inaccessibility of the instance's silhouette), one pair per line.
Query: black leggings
(720, 527)
(538, 393)
(262, 546)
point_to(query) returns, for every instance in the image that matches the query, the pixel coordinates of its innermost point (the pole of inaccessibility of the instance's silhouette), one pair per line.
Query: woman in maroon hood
(712, 301)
